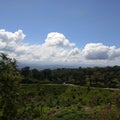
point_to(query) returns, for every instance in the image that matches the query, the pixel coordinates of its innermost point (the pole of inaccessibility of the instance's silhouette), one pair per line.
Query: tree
(35, 74)
(26, 72)
(9, 87)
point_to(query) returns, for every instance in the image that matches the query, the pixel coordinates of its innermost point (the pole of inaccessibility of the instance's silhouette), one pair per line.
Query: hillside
(60, 94)
(63, 102)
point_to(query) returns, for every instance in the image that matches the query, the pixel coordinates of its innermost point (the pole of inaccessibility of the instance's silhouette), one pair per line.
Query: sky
(66, 32)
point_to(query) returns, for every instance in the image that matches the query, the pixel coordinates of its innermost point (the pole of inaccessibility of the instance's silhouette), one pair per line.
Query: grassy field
(64, 102)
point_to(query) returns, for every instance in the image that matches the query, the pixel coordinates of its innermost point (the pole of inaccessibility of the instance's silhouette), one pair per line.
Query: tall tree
(9, 87)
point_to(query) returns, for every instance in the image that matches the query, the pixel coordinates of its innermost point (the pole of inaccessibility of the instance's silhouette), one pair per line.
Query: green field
(64, 102)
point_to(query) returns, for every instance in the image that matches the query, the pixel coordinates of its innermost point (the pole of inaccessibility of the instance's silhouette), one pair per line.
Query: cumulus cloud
(114, 52)
(57, 39)
(10, 41)
(6, 36)
(55, 49)
(98, 51)
(74, 52)
(2, 44)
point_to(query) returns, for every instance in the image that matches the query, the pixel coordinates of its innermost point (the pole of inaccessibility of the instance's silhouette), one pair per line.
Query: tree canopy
(9, 87)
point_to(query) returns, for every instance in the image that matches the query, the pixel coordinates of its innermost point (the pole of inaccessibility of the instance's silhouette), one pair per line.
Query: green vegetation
(9, 88)
(64, 102)
(91, 77)
(27, 95)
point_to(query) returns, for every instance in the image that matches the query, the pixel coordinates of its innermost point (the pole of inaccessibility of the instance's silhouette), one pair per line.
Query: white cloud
(114, 52)
(10, 41)
(74, 52)
(6, 36)
(56, 49)
(57, 39)
(98, 51)
(2, 44)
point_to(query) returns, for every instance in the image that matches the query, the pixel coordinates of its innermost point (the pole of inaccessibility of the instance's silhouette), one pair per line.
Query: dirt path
(84, 86)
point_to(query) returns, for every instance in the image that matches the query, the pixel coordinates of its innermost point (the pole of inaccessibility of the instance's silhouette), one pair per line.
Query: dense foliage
(9, 88)
(77, 99)
(95, 77)
(68, 102)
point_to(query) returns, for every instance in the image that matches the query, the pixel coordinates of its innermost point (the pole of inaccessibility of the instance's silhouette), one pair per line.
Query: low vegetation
(64, 102)
(27, 95)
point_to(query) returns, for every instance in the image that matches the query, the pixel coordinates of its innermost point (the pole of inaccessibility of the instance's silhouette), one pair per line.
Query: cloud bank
(56, 49)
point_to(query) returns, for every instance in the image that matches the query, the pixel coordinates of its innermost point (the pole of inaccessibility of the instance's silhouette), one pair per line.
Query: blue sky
(80, 21)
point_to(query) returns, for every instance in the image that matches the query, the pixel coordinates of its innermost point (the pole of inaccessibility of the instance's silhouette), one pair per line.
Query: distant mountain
(54, 66)
(47, 66)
